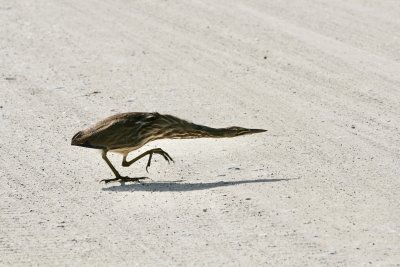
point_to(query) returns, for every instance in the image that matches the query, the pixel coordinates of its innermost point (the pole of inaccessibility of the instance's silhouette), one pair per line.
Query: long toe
(106, 181)
(170, 157)
(134, 179)
(149, 162)
(165, 155)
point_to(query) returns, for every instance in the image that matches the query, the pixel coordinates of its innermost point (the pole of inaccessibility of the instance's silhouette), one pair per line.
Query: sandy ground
(321, 187)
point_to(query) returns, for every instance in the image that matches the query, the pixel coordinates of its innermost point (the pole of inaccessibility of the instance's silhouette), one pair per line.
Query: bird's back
(119, 131)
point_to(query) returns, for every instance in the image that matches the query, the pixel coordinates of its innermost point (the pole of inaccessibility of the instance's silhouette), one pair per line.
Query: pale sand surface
(321, 187)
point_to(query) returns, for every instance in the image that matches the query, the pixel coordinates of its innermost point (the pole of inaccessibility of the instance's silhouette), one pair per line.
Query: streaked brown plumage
(125, 132)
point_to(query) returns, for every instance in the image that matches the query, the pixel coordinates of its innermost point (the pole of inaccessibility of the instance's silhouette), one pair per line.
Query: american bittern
(125, 132)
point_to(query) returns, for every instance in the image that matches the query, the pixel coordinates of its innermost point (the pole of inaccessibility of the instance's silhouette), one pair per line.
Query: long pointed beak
(257, 130)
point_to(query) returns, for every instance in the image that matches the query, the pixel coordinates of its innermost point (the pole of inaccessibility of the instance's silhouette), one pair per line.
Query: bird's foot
(123, 179)
(161, 152)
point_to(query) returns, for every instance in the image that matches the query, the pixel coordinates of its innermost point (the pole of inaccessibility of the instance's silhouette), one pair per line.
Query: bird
(125, 132)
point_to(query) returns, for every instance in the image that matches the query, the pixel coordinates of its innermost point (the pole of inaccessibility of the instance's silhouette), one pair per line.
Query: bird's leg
(104, 156)
(150, 152)
(117, 175)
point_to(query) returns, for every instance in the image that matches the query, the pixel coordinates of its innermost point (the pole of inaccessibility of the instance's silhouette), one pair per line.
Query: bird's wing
(120, 130)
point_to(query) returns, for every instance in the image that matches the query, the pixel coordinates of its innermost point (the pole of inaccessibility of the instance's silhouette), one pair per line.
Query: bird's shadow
(178, 186)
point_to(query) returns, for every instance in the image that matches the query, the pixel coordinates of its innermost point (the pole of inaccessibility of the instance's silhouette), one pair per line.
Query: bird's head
(236, 130)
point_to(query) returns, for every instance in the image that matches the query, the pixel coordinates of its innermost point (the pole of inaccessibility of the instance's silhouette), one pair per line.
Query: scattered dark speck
(248, 198)
(353, 127)
(204, 210)
(10, 78)
(93, 93)
(265, 57)
(234, 168)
